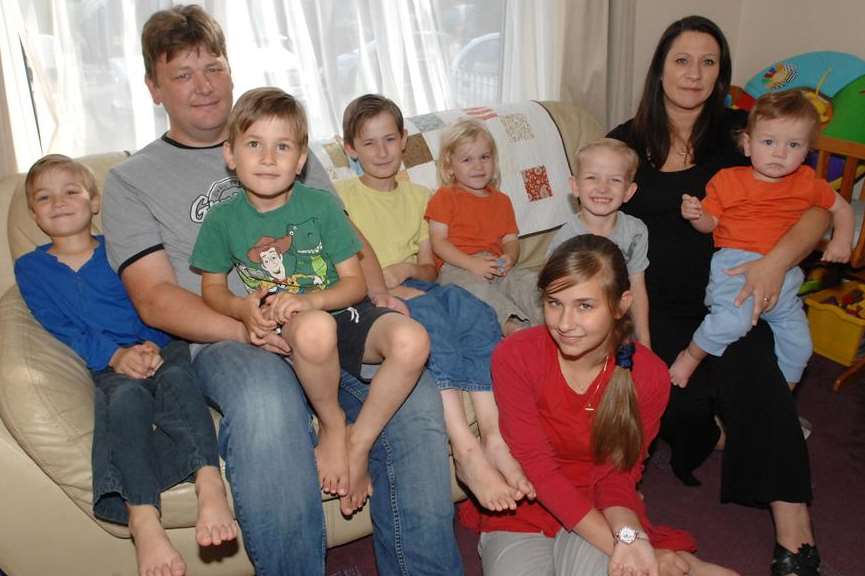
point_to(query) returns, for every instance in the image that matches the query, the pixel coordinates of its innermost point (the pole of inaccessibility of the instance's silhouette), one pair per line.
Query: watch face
(627, 535)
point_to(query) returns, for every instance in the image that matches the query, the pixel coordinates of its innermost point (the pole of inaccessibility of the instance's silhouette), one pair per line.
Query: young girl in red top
(579, 405)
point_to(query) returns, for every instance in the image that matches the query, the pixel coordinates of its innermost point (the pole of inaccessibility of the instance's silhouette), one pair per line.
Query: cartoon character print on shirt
(292, 263)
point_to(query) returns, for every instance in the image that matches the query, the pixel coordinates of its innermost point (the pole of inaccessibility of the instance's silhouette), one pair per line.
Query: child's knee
(408, 341)
(312, 335)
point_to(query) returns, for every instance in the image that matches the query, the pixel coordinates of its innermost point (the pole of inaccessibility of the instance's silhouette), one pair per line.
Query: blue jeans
(727, 322)
(267, 441)
(133, 461)
(463, 332)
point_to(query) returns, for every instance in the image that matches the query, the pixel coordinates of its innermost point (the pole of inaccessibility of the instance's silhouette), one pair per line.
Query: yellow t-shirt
(393, 222)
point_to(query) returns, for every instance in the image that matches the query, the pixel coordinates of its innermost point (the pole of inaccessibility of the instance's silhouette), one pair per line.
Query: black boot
(805, 562)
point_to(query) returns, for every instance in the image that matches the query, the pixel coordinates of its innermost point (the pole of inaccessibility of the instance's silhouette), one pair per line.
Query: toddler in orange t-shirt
(473, 229)
(748, 209)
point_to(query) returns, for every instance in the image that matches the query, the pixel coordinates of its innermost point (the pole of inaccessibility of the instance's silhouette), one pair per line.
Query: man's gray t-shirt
(630, 235)
(158, 198)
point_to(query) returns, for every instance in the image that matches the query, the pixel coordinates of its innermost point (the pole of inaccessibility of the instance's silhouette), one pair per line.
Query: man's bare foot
(331, 457)
(500, 457)
(359, 484)
(682, 368)
(486, 483)
(154, 552)
(215, 523)
(697, 567)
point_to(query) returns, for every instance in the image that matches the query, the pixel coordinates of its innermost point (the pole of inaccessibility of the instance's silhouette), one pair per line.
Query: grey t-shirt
(157, 199)
(630, 235)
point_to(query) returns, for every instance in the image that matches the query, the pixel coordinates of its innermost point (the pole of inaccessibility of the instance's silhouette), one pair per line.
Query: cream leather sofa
(46, 404)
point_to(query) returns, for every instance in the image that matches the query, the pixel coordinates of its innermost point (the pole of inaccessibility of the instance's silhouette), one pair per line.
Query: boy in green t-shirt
(296, 253)
(390, 214)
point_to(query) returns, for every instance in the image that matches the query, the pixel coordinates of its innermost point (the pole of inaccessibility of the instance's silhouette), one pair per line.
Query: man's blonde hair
(625, 152)
(53, 162)
(464, 131)
(261, 103)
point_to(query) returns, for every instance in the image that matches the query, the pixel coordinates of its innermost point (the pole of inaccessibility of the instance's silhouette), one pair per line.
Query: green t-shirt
(293, 248)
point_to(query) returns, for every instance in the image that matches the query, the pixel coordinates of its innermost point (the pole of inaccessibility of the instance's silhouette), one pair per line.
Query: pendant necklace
(588, 407)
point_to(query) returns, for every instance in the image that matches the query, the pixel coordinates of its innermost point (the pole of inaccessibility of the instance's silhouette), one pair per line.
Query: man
(154, 203)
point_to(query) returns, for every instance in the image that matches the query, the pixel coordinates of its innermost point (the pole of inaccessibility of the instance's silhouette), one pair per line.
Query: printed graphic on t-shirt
(293, 263)
(219, 191)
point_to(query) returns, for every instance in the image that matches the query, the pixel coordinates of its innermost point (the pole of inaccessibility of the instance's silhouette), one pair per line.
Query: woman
(684, 135)
(578, 407)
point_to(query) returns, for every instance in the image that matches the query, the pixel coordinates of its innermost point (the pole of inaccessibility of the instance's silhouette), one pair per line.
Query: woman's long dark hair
(651, 126)
(617, 431)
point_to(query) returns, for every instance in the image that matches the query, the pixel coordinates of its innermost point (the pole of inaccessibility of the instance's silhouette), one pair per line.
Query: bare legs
(215, 525)
(486, 467)
(402, 345)
(312, 337)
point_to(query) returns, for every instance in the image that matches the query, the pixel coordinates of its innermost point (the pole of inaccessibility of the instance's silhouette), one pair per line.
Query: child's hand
(281, 307)
(485, 266)
(258, 326)
(156, 359)
(505, 264)
(134, 362)
(692, 208)
(837, 251)
(396, 274)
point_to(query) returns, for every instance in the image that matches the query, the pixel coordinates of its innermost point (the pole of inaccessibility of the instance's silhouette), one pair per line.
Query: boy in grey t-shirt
(603, 182)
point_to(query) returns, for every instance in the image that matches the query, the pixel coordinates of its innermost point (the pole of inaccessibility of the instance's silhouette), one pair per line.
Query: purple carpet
(739, 537)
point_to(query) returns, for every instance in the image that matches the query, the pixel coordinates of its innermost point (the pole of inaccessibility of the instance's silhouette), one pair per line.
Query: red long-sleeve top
(548, 430)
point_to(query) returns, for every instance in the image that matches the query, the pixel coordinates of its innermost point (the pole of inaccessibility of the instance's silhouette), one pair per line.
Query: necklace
(588, 407)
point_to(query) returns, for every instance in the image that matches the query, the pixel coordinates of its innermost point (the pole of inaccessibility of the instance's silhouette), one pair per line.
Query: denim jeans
(463, 332)
(267, 441)
(133, 460)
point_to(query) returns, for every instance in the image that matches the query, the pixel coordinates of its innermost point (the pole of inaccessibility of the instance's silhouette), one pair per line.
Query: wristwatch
(628, 535)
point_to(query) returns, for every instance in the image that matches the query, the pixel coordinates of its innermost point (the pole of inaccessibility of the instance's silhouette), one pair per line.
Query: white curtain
(87, 72)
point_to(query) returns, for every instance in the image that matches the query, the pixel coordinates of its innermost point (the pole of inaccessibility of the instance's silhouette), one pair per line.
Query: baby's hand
(505, 264)
(837, 251)
(692, 208)
(485, 266)
(284, 305)
(257, 325)
(134, 362)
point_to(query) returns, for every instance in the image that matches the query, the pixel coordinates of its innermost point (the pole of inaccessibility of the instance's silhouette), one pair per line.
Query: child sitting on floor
(748, 209)
(604, 180)
(473, 228)
(152, 428)
(296, 251)
(463, 330)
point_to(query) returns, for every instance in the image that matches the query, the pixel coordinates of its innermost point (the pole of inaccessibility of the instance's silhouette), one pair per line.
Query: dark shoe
(805, 562)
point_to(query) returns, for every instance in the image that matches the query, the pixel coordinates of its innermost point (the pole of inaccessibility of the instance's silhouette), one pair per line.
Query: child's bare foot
(359, 485)
(682, 368)
(215, 523)
(489, 487)
(513, 324)
(500, 457)
(697, 567)
(154, 552)
(331, 456)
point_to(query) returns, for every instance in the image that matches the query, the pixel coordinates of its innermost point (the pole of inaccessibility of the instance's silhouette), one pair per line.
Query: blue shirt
(88, 310)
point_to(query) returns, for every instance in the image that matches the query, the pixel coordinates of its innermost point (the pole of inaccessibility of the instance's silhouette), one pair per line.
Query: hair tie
(625, 356)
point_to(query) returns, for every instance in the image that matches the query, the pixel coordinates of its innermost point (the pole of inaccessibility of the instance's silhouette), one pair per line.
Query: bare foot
(215, 523)
(331, 457)
(154, 552)
(500, 457)
(682, 368)
(512, 325)
(359, 484)
(697, 567)
(489, 487)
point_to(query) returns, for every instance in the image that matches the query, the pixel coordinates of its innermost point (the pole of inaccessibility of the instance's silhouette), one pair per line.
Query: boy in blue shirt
(152, 427)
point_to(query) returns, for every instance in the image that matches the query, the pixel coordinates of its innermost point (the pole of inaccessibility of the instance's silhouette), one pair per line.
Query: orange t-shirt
(475, 224)
(752, 214)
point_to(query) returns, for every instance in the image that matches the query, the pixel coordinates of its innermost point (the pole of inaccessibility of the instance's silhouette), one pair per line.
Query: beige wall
(760, 32)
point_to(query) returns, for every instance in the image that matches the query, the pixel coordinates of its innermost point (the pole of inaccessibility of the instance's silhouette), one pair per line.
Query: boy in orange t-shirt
(748, 209)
